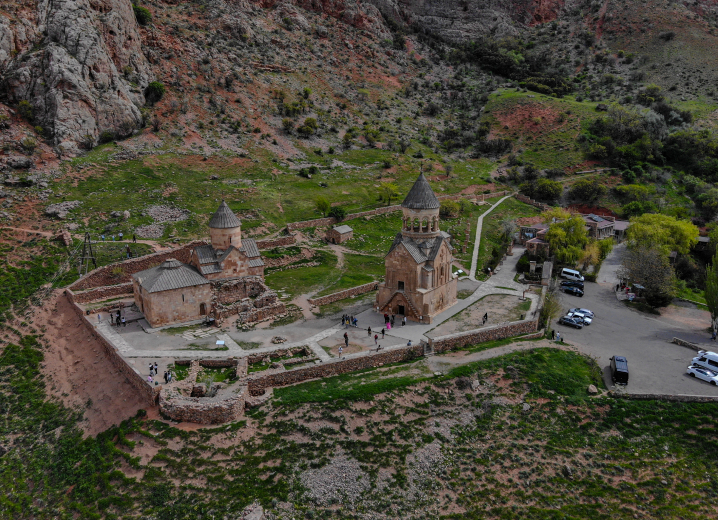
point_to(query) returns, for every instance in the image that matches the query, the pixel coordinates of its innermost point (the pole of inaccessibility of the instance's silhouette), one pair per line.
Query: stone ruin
(249, 298)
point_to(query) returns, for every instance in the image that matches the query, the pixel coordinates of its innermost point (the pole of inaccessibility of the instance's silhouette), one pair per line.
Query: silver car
(584, 318)
(588, 313)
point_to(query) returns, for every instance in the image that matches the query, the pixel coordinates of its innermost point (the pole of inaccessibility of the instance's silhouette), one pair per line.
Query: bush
(28, 144)
(449, 209)
(628, 177)
(154, 92)
(338, 213)
(106, 136)
(142, 14)
(308, 128)
(25, 109)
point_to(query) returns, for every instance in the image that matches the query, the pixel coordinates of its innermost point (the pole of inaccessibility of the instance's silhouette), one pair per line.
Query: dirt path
(79, 372)
(156, 246)
(30, 231)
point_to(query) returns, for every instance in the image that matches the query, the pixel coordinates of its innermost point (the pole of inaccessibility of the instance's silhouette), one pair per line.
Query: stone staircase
(408, 301)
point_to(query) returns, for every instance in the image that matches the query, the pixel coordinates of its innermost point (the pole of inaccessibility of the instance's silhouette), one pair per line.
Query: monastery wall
(347, 293)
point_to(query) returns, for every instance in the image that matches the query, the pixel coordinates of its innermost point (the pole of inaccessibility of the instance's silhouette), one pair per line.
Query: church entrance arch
(401, 310)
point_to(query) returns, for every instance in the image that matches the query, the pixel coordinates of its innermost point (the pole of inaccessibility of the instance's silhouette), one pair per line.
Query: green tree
(449, 209)
(322, 205)
(707, 203)
(554, 215)
(711, 291)
(662, 231)
(142, 14)
(389, 190)
(604, 248)
(338, 213)
(567, 239)
(649, 267)
(154, 92)
(586, 190)
(548, 190)
(288, 125)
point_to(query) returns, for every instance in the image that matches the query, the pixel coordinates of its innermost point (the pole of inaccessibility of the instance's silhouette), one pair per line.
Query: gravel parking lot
(656, 366)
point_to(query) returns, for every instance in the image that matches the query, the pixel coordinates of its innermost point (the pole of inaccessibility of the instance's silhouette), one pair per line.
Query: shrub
(628, 177)
(25, 109)
(308, 128)
(106, 136)
(154, 92)
(142, 14)
(28, 144)
(338, 213)
(449, 209)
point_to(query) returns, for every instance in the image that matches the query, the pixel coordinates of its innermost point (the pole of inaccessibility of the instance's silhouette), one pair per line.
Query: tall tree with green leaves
(662, 231)
(567, 239)
(322, 205)
(711, 291)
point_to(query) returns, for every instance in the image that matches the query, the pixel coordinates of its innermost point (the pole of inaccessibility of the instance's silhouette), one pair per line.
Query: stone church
(174, 292)
(419, 283)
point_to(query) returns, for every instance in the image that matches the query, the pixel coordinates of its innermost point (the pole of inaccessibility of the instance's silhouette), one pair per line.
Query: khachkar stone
(418, 283)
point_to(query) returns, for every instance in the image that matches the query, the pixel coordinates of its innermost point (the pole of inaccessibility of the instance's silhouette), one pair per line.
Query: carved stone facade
(419, 283)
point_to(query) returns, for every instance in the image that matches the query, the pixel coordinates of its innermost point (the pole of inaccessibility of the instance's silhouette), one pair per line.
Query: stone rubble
(164, 213)
(342, 480)
(61, 209)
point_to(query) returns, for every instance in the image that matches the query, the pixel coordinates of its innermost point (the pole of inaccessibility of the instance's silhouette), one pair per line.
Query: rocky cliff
(79, 63)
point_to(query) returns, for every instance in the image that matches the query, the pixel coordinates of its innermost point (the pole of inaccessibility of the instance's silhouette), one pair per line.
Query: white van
(570, 274)
(707, 360)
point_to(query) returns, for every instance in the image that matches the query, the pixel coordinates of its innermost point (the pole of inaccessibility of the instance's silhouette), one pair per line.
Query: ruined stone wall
(271, 243)
(230, 291)
(258, 383)
(473, 337)
(306, 254)
(103, 276)
(148, 392)
(202, 410)
(666, 397)
(347, 293)
(264, 313)
(104, 292)
(532, 202)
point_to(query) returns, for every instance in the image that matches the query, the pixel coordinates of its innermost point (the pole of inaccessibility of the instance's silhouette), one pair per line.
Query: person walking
(713, 336)
(553, 335)
(134, 239)
(403, 321)
(340, 351)
(124, 322)
(156, 368)
(149, 379)
(376, 339)
(346, 339)
(382, 333)
(486, 317)
(121, 235)
(558, 337)
(99, 317)
(368, 331)
(392, 319)
(165, 376)
(117, 321)
(103, 237)
(129, 252)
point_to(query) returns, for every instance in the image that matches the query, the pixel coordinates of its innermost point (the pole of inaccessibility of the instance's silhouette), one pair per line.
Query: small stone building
(175, 292)
(419, 283)
(339, 234)
(172, 292)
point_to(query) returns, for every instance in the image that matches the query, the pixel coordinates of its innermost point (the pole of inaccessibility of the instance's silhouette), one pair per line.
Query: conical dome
(421, 196)
(224, 218)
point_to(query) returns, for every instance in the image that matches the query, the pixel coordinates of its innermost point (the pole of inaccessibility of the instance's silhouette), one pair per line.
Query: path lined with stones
(477, 241)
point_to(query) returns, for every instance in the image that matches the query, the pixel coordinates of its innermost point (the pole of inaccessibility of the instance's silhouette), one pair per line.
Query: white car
(704, 374)
(585, 318)
(588, 313)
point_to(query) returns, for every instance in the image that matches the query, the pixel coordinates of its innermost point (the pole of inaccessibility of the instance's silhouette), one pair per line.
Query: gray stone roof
(249, 247)
(171, 274)
(421, 196)
(343, 229)
(224, 218)
(205, 254)
(420, 251)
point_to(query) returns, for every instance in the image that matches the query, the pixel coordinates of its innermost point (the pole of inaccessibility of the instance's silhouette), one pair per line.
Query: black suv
(572, 284)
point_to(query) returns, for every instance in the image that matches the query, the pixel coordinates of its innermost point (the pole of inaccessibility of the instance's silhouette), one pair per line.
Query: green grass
(215, 374)
(696, 295)
(303, 280)
(358, 270)
(375, 235)
(179, 372)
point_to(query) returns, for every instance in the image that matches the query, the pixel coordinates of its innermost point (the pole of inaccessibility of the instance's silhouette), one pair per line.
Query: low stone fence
(102, 293)
(104, 276)
(472, 337)
(258, 383)
(306, 254)
(148, 392)
(347, 293)
(666, 397)
(271, 243)
(687, 344)
(527, 200)
(201, 410)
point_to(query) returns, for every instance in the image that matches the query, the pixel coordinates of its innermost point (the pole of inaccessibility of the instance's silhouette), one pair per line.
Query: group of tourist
(389, 321)
(154, 370)
(118, 319)
(349, 320)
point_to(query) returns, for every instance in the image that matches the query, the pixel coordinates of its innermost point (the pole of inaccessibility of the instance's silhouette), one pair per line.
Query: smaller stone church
(419, 283)
(223, 277)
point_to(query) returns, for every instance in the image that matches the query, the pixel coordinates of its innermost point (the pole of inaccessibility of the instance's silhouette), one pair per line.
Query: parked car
(587, 312)
(586, 320)
(707, 360)
(619, 370)
(573, 290)
(572, 284)
(703, 373)
(571, 322)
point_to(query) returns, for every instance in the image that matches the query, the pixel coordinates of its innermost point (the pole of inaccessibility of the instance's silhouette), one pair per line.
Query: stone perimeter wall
(472, 337)
(102, 276)
(136, 380)
(202, 410)
(271, 243)
(330, 221)
(666, 397)
(102, 293)
(687, 344)
(346, 293)
(258, 384)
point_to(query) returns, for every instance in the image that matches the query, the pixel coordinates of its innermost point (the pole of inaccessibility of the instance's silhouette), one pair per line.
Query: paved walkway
(477, 241)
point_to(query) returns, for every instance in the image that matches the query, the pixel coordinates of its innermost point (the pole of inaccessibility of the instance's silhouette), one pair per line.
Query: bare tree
(650, 268)
(551, 305)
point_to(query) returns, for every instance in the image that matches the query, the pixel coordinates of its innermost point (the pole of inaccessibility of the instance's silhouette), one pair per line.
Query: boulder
(253, 512)
(61, 209)
(19, 162)
(592, 389)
